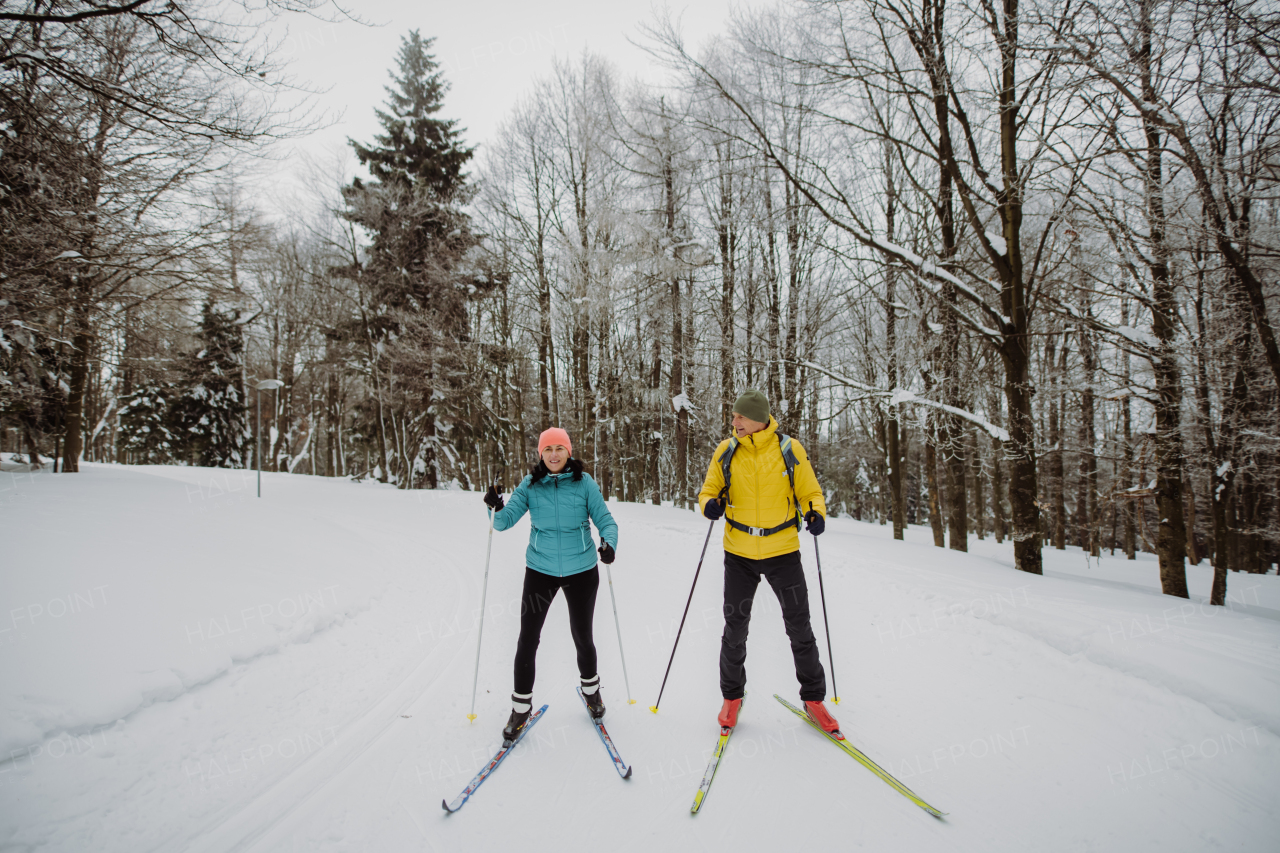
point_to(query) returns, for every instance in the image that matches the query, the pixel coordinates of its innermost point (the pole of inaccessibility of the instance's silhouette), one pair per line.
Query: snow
(1161, 112)
(998, 243)
(898, 396)
(293, 673)
(681, 401)
(1138, 336)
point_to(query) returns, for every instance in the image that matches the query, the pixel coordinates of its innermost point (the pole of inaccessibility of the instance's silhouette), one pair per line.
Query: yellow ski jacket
(760, 493)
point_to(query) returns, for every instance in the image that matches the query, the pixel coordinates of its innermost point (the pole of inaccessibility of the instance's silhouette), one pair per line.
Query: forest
(1005, 268)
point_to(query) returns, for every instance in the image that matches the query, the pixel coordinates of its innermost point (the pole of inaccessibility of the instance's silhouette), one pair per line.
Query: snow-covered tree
(144, 425)
(209, 412)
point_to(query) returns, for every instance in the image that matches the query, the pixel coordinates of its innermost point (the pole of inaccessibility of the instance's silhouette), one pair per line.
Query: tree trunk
(1130, 531)
(997, 473)
(332, 421)
(655, 433)
(795, 283)
(979, 502)
(951, 432)
(772, 274)
(728, 239)
(1056, 474)
(676, 387)
(1015, 342)
(1171, 540)
(380, 421)
(73, 420)
(931, 478)
(1087, 493)
(1193, 553)
(896, 461)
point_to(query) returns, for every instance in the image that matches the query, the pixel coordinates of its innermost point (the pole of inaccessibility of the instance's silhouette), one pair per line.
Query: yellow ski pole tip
(631, 701)
(471, 717)
(836, 700)
(653, 708)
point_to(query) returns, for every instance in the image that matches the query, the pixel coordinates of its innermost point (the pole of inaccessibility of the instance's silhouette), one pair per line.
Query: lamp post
(264, 385)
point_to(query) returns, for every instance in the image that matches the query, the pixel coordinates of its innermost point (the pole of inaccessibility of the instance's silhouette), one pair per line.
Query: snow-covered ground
(184, 666)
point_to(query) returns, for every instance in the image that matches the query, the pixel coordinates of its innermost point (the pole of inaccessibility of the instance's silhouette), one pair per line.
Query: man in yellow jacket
(765, 502)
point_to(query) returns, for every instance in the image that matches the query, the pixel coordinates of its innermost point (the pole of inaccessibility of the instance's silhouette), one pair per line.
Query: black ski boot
(521, 707)
(591, 692)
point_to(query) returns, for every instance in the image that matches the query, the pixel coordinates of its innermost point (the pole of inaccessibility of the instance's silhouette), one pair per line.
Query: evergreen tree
(208, 417)
(412, 207)
(145, 417)
(416, 148)
(413, 284)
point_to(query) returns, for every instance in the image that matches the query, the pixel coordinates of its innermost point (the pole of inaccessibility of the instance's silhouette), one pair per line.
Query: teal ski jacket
(560, 511)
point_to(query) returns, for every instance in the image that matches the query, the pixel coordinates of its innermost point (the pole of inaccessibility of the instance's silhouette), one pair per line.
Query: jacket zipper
(557, 503)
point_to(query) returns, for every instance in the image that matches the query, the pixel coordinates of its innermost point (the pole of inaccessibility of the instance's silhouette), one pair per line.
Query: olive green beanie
(752, 404)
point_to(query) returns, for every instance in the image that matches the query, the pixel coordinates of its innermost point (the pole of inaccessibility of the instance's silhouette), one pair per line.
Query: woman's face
(555, 457)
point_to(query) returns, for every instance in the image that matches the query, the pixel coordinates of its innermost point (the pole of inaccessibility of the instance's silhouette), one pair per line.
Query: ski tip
(444, 804)
(471, 717)
(627, 775)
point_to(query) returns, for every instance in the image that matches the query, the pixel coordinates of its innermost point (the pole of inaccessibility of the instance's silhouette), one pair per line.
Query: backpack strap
(789, 459)
(726, 459)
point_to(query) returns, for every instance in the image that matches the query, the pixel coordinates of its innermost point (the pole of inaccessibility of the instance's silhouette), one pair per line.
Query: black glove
(814, 522)
(606, 553)
(713, 509)
(493, 499)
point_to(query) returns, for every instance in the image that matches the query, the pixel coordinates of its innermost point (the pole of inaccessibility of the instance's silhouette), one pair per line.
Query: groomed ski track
(1039, 711)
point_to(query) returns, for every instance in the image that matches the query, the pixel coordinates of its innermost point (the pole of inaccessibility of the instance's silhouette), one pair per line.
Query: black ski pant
(539, 591)
(741, 577)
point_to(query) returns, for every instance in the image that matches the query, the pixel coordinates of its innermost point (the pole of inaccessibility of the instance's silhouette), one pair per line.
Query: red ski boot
(729, 713)
(818, 713)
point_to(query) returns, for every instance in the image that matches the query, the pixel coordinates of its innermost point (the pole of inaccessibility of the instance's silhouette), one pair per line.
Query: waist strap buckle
(756, 531)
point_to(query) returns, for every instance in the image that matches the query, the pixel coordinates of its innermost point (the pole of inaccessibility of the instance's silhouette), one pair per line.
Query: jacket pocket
(535, 540)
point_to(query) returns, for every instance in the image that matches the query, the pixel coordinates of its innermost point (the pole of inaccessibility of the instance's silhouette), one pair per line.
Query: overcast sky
(491, 51)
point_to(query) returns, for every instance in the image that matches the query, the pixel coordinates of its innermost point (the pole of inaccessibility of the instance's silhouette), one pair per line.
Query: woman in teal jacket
(562, 501)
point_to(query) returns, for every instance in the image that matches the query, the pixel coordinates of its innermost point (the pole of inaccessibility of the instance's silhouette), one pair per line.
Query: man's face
(743, 426)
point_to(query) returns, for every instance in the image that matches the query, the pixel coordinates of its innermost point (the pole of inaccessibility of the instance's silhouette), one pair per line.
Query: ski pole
(484, 591)
(823, 593)
(609, 574)
(705, 542)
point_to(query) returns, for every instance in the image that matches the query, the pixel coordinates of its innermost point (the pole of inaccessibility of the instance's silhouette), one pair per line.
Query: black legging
(539, 592)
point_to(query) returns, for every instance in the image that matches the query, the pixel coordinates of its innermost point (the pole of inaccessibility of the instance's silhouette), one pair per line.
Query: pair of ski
(835, 737)
(623, 769)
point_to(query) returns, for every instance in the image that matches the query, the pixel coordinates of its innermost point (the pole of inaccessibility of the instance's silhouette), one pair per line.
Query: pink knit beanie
(555, 435)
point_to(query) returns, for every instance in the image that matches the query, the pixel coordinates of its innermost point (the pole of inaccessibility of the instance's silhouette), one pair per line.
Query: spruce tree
(414, 284)
(412, 207)
(416, 148)
(208, 417)
(145, 417)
